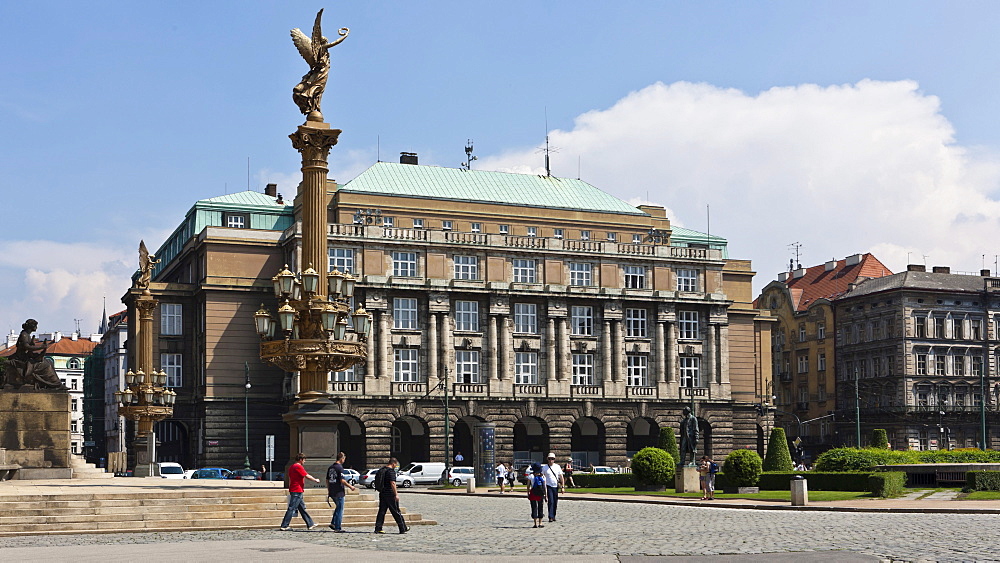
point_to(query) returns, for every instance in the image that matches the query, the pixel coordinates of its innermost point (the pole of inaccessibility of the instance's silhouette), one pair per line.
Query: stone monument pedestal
(686, 479)
(34, 431)
(314, 431)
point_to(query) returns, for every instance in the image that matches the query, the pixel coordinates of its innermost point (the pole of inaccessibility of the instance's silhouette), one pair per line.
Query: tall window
(524, 270)
(526, 318)
(821, 362)
(921, 364)
(584, 235)
(938, 327)
(171, 364)
(804, 363)
(581, 273)
(957, 327)
(170, 319)
(404, 313)
(690, 368)
(920, 327)
(467, 316)
(406, 365)
(977, 329)
(820, 331)
(346, 375)
(636, 369)
(467, 366)
(959, 365)
(466, 267)
(939, 364)
(635, 323)
(341, 259)
(526, 368)
(583, 369)
(688, 325)
(802, 332)
(635, 277)
(977, 365)
(582, 320)
(404, 264)
(687, 280)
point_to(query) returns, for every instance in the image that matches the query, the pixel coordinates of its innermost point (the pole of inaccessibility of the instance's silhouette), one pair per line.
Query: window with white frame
(74, 405)
(341, 259)
(635, 277)
(821, 362)
(74, 363)
(557, 233)
(690, 371)
(467, 366)
(977, 365)
(418, 223)
(687, 280)
(635, 323)
(346, 375)
(687, 323)
(170, 319)
(612, 237)
(447, 225)
(582, 320)
(921, 364)
(802, 332)
(524, 270)
(959, 365)
(939, 364)
(532, 231)
(404, 264)
(584, 235)
(73, 383)
(581, 273)
(172, 364)
(820, 331)
(236, 220)
(404, 313)
(636, 238)
(526, 368)
(406, 365)
(388, 222)
(504, 229)
(526, 318)
(73, 425)
(467, 316)
(637, 370)
(476, 227)
(803, 363)
(583, 369)
(466, 267)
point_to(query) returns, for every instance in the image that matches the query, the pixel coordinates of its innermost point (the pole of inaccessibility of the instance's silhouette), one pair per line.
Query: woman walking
(536, 494)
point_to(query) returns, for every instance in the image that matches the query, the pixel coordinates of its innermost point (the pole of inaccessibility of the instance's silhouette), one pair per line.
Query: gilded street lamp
(146, 400)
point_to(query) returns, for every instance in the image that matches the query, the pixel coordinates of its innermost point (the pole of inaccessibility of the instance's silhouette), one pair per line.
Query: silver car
(459, 475)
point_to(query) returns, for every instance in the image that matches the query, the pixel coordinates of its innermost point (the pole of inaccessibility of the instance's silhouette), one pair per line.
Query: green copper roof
(410, 180)
(243, 198)
(687, 235)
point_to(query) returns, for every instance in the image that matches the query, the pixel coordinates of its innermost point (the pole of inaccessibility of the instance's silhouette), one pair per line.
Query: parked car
(171, 470)
(601, 470)
(352, 476)
(245, 474)
(212, 473)
(420, 472)
(460, 475)
(188, 473)
(274, 476)
(368, 478)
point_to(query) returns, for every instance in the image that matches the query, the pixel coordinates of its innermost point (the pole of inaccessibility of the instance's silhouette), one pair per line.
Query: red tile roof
(818, 283)
(65, 347)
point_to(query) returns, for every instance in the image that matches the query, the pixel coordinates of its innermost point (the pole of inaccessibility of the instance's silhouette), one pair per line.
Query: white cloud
(871, 166)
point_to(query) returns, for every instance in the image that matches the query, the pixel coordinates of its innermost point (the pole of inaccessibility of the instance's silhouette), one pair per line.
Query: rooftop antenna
(925, 259)
(378, 148)
(547, 150)
(797, 247)
(248, 173)
(468, 155)
(908, 258)
(578, 167)
(708, 222)
(77, 321)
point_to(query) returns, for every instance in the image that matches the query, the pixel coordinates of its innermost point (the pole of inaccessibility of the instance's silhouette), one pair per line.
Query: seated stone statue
(28, 366)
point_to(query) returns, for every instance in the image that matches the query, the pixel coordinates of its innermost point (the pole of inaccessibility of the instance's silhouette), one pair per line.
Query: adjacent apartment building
(571, 320)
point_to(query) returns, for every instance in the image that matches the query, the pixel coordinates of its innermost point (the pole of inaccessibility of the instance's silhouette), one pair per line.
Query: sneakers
(340, 531)
(379, 531)
(404, 530)
(313, 527)
(284, 528)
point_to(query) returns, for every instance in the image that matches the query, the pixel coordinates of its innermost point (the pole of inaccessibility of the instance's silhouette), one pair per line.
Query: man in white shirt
(502, 476)
(554, 484)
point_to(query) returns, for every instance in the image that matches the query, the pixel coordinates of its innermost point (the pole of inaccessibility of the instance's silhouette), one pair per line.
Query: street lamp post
(246, 414)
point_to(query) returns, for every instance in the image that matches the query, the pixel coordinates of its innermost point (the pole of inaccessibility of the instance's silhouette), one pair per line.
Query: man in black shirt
(336, 489)
(388, 497)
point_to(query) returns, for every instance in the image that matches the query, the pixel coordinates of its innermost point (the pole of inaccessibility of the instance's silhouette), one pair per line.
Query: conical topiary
(668, 443)
(879, 439)
(777, 457)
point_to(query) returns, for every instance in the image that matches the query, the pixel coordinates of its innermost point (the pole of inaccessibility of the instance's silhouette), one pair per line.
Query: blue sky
(846, 126)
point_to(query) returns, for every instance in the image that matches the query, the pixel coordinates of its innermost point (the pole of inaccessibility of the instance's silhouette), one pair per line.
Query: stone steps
(181, 509)
(83, 470)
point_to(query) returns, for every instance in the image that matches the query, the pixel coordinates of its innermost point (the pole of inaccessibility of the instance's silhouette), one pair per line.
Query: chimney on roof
(851, 286)
(984, 273)
(942, 270)
(830, 265)
(915, 268)
(408, 158)
(783, 276)
(271, 190)
(799, 273)
(852, 260)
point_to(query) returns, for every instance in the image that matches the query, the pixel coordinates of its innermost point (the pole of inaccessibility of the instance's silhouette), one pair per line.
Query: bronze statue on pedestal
(28, 366)
(308, 93)
(689, 436)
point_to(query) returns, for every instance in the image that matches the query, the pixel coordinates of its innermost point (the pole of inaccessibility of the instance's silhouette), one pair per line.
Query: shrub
(879, 439)
(887, 483)
(668, 443)
(742, 468)
(818, 481)
(854, 459)
(983, 480)
(777, 457)
(604, 480)
(851, 459)
(653, 467)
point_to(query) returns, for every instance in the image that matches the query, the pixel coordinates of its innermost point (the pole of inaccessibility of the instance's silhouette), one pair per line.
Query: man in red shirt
(297, 475)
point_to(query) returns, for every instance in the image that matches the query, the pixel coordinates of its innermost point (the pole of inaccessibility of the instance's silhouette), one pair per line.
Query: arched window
(75, 363)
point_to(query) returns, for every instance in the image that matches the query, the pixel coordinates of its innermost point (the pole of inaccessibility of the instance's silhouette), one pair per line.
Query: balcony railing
(346, 387)
(637, 391)
(529, 389)
(409, 388)
(586, 390)
(478, 389)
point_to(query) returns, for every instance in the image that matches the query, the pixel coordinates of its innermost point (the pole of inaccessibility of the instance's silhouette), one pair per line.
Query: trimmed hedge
(879, 439)
(653, 467)
(887, 484)
(743, 468)
(983, 480)
(668, 443)
(777, 457)
(604, 481)
(854, 459)
(818, 481)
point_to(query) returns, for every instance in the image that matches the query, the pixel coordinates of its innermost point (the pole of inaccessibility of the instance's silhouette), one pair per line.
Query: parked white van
(420, 472)
(171, 470)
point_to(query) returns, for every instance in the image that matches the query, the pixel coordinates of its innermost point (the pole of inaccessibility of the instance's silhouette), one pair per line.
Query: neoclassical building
(570, 320)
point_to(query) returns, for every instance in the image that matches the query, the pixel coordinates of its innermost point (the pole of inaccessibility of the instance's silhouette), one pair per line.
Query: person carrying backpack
(388, 497)
(536, 494)
(336, 487)
(713, 468)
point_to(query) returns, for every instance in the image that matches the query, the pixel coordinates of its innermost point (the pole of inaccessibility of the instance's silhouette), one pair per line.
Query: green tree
(652, 467)
(777, 457)
(879, 439)
(742, 468)
(668, 443)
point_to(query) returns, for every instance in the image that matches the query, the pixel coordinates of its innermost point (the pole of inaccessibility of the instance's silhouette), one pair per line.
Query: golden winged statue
(308, 93)
(146, 264)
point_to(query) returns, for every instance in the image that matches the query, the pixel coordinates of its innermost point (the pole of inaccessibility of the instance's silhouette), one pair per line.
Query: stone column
(724, 354)
(432, 348)
(607, 352)
(565, 364)
(672, 354)
(506, 344)
(618, 350)
(551, 350)
(447, 348)
(708, 365)
(145, 305)
(493, 354)
(372, 365)
(385, 339)
(658, 343)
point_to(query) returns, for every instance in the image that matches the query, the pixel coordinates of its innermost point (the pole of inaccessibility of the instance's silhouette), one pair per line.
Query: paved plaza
(495, 528)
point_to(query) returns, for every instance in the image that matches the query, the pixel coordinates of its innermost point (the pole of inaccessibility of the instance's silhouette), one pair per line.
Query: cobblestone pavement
(484, 527)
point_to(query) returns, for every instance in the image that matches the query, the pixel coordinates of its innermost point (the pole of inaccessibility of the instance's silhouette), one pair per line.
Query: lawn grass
(763, 495)
(982, 495)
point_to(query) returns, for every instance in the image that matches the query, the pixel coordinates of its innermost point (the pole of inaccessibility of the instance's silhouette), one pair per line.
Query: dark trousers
(536, 508)
(389, 502)
(552, 494)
